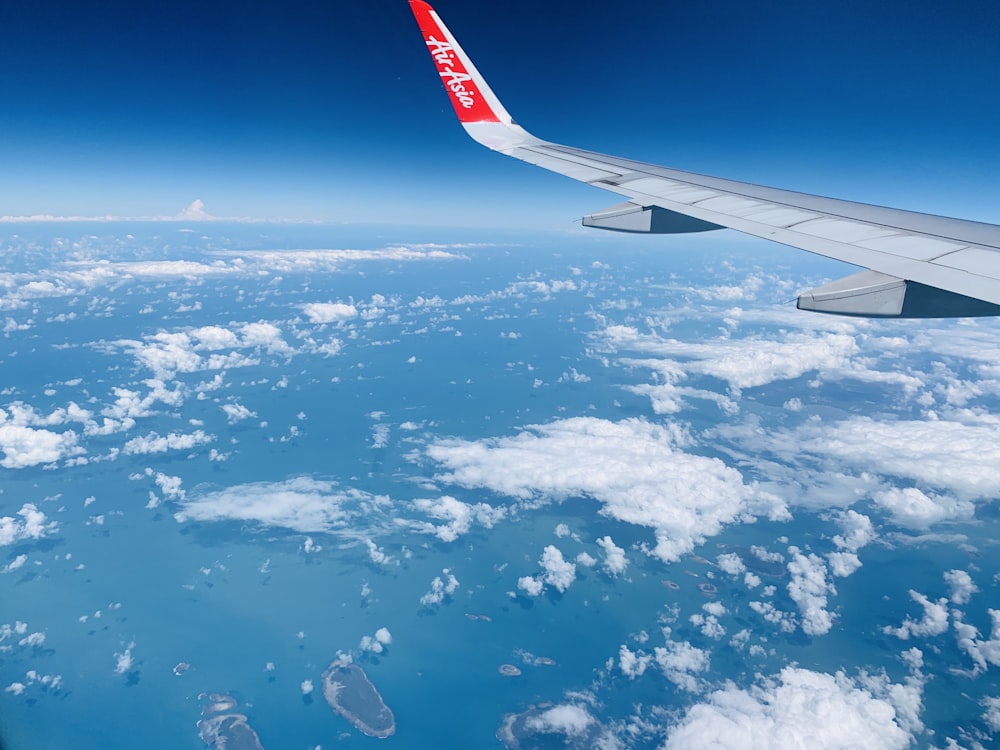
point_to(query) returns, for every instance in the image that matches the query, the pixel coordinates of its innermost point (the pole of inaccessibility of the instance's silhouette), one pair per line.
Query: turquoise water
(230, 597)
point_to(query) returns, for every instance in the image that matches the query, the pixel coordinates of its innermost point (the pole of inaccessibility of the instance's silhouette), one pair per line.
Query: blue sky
(331, 111)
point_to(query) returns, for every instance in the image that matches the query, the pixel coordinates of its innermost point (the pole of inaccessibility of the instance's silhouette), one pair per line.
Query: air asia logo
(455, 80)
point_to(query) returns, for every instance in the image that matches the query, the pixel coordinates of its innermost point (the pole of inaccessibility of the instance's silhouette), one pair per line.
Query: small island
(351, 694)
(509, 670)
(223, 728)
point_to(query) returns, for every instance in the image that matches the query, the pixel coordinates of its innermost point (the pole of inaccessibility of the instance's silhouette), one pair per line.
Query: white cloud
(378, 554)
(170, 486)
(213, 338)
(615, 561)
(130, 405)
(441, 588)
(329, 312)
(961, 585)
(167, 353)
(302, 504)
(15, 564)
(843, 564)
(809, 589)
(306, 687)
(32, 524)
(237, 413)
(933, 622)
(174, 441)
(32, 640)
(952, 455)
(458, 515)
(992, 714)
(746, 362)
(27, 446)
(376, 643)
(125, 661)
(680, 662)
(982, 652)
(857, 531)
(530, 586)
(802, 708)
(913, 509)
(708, 625)
(632, 664)
(78, 277)
(637, 470)
(557, 571)
(730, 562)
(569, 719)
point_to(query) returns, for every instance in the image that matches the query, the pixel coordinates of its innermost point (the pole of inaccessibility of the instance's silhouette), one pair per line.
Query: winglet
(470, 95)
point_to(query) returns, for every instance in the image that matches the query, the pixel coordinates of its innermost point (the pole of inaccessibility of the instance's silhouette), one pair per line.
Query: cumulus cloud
(441, 588)
(306, 687)
(15, 564)
(28, 446)
(742, 363)
(458, 517)
(843, 564)
(237, 413)
(615, 561)
(631, 663)
(301, 504)
(809, 588)
(680, 662)
(170, 486)
(329, 312)
(378, 555)
(376, 643)
(174, 441)
(168, 353)
(570, 719)
(731, 563)
(857, 531)
(961, 585)
(557, 571)
(933, 622)
(531, 586)
(30, 524)
(953, 455)
(913, 509)
(802, 708)
(983, 652)
(637, 470)
(125, 661)
(992, 714)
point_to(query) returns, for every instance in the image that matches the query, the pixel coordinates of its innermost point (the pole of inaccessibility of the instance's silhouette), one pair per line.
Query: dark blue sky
(333, 111)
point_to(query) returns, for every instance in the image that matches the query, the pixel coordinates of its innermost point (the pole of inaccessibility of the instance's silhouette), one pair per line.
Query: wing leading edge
(920, 265)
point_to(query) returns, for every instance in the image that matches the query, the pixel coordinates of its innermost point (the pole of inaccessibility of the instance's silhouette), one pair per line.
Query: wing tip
(470, 95)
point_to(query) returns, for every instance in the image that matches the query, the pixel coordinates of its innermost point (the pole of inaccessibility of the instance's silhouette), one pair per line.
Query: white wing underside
(954, 255)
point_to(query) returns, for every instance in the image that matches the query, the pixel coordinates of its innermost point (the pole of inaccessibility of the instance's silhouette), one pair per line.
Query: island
(351, 694)
(223, 728)
(509, 670)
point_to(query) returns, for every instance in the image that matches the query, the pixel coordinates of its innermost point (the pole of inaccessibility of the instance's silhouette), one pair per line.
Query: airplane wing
(919, 265)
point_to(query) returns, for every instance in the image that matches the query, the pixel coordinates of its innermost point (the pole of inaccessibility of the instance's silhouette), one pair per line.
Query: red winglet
(460, 78)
